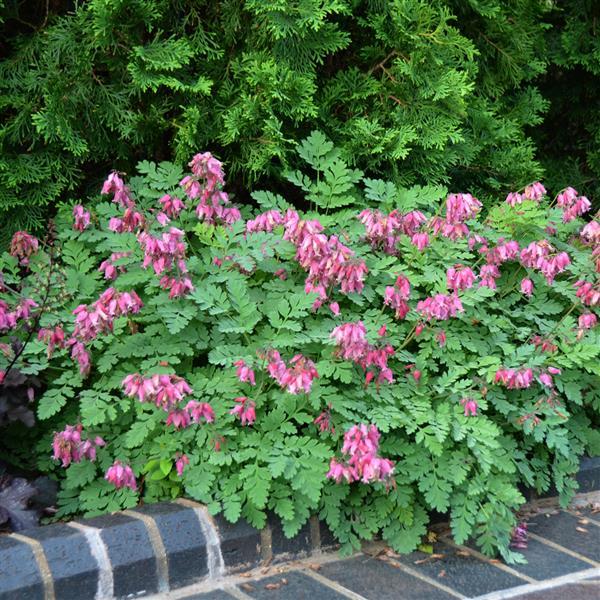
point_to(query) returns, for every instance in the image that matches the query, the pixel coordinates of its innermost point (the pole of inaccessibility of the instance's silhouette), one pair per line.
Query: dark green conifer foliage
(415, 91)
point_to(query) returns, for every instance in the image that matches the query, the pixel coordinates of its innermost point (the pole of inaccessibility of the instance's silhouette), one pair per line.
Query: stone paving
(563, 563)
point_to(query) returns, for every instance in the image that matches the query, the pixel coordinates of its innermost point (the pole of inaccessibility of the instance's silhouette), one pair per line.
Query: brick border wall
(155, 548)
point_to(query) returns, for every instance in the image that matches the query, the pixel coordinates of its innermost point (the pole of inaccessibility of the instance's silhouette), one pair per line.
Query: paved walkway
(563, 563)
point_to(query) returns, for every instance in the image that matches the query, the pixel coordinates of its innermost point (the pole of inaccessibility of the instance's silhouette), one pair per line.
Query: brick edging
(156, 548)
(146, 550)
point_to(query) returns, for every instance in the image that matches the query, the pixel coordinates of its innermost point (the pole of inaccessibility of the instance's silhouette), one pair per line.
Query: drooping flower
(296, 377)
(23, 246)
(121, 476)
(180, 464)
(69, 447)
(200, 411)
(362, 463)
(166, 391)
(459, 278)
(488, 275)
(440, 307)
(171, 205)
(518, 539)
(323, 421)
(244, 411)
(470, 407)
(588, 293)
(81, 218)
(514, 379)
(527, 286)
(54, 337)
(108, 267)
(396, 297)
(180, 419)
(244, 373)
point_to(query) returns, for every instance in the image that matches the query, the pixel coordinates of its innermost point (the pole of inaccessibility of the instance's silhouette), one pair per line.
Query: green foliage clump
(460, 439)
(414, 91)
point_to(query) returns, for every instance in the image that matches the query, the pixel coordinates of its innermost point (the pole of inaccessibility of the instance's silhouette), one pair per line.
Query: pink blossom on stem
(420, 240)
(121, 476)
(588, 293)
(81, 218)
(180, 464)
(180, 419)
(518, 539)
(334, 307)
(200, 411)
(266, 221)
(527, 286)
(488, 275)
(69, 447)
(81, 356)
(244, 411)
(166, 391)
(470, 407)
(395, 297)
(459, 278)
(171, 205)
(53, 337)
(514, 379)
(115, 185)
(244, 373)
(295, 378)
(323, 422)
(441, 338)
(361, 445)
(590, 234)
(108, 267)
(440, 307)
(23, 246)
(587, 320)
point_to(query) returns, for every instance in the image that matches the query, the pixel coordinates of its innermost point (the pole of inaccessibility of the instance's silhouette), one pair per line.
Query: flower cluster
(109, 268)
(166, 391)
(266, 221)
(459, 209)
(361, 446)
(327, 261)
(164, 254)
(295, 378)
(440, 307)
(396, 296)
(384, 231)
(244, 411)
(121, 476)
(23, 246)
(543, 256)
(90, 321)
(535, 191)
(81, 218)
(351, 340)
(53, 337)
(459, 278)
(244, 373)
(470, 406)
(9, 319)
(132, 220)
(588, 293)
(514, 379)
(204, 184)
(69, 448)
(573, 204)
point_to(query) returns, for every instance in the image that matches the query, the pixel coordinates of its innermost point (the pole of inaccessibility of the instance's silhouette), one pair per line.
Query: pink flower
(81, 217)
(244, 411)
(171, 205)
(121, 476)
(108, 267)
(459, 278)
(488, 275)
(266, 221)
(165, 391)
(527, 286)
(420, 240)
(535, 191)
(334, 307)
(180, 419)
(470, 406)
(294, 378)
(396, 297)
(351, 339)
(512, 379)
(244, 373)
(361, 444)
(461, 207)
(115, 185)
(441, 338)
(69, 448)
(440, 307)
(177, 287)
(323, 422)
(23, 246)
(587, 320)
(181, 463)
(590, 234)
(514, 198)
(588, 293)
(81, 356)
(53, 337)
(199, 411)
